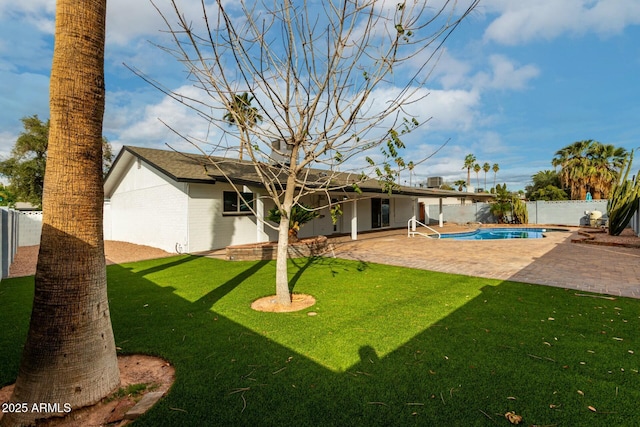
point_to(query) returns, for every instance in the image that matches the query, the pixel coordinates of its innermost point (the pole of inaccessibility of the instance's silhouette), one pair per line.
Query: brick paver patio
(552, 261)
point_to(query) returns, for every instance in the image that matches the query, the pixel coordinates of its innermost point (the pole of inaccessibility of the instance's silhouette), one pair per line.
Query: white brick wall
(209, 228)
(149, 209)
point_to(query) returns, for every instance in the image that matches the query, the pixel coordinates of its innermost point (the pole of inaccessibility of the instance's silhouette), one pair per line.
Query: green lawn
(388, 346)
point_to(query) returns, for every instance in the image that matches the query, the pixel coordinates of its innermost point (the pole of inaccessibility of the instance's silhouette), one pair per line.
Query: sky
(518, 81)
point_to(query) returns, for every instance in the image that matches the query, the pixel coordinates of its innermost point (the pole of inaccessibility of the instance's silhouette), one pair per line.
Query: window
(233, 203)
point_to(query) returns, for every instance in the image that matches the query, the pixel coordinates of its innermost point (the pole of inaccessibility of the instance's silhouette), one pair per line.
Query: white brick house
(175, 202)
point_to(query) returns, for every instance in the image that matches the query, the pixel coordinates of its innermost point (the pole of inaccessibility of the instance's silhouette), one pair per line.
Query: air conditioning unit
(280, 152)
(434, 182)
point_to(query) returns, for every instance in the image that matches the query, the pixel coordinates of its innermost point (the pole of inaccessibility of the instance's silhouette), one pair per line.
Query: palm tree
(495, 168)
(240, 113)
(70, 354)
(605, 163)
(486, 168)
(461, 183)
(573, 167)
(411, 166)
(469, 161)
(588, 166)
(477, 169)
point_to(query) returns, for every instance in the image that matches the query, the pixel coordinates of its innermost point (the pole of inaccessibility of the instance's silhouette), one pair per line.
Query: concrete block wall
(569, 212)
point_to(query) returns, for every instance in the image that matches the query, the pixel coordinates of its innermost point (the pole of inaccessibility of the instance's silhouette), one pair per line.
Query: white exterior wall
(149, 209)
(209, 228)
(106, 220)
(320, 226)
(446, 201)
(364, 215)
(402, 209)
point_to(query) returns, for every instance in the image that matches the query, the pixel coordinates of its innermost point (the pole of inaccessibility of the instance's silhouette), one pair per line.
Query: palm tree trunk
(70, 356)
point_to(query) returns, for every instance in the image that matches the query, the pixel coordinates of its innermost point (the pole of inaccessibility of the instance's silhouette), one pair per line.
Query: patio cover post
(260, 236)
(354, 220)
(440, 214)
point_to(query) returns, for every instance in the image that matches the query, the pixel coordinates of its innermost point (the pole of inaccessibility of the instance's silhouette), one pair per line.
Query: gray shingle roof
(186, 167)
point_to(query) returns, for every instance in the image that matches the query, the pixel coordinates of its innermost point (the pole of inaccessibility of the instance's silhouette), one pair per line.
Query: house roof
(197, 168)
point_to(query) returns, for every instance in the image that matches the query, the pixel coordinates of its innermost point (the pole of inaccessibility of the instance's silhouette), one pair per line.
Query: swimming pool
(497, 233)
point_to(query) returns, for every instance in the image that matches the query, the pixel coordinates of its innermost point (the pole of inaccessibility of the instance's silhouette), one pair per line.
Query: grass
(388, 346)
(131, 390)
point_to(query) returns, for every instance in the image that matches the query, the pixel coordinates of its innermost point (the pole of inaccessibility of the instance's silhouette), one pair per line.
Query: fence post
(5, 242)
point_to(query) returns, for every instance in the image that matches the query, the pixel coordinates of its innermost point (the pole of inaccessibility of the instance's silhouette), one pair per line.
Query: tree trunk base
(270, 304)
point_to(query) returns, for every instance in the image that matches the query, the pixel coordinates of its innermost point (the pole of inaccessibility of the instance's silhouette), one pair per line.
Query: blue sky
(518, 81)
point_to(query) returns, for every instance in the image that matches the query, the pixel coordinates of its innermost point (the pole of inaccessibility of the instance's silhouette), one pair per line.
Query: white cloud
(505, 74)
(520, 22)
(27, 7)
(7, 141)
(137, 122)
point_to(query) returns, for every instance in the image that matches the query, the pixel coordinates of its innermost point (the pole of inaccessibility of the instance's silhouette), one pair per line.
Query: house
(180, 202)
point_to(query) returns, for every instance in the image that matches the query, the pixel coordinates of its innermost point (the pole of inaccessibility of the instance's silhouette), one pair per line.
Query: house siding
(148, 208)
(402, 209)
(209, 228)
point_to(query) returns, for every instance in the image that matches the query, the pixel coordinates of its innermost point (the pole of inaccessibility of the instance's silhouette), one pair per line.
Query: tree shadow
(219, 292)
(455, 370)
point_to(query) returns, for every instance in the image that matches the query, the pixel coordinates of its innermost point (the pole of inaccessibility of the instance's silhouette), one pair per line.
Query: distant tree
(588, 165)
(410, 166)
(7, 198)
(606, 162)
(545, 186)
(486, 167)
(469, 162)
(501, 206)
(107, 156)
(461, 183)
(548, 193)
(508, 206)
(446, 186)
(495, 168)
(26, 166)
(477, 169)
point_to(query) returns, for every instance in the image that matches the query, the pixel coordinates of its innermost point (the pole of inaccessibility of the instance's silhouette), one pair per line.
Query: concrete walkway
(552, 261)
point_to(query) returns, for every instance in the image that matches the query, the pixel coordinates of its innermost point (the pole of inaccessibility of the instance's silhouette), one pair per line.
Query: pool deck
(552, 261)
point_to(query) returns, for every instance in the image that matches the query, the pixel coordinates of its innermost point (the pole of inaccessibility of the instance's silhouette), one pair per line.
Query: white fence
(17, 229)
(29, 228)
(8, 238)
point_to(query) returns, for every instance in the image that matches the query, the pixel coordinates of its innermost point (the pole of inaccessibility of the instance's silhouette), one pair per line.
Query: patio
(552, 261)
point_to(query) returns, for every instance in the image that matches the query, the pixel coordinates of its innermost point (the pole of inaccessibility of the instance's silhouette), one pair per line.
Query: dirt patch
(26, 258)
(270, 304)
(157, 374)
(595, 236)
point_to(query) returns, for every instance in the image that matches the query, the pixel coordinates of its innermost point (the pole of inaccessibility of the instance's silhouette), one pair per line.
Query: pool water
(497, 233)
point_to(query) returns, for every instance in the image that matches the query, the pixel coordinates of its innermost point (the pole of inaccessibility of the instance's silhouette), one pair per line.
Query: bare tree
(332, 80)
